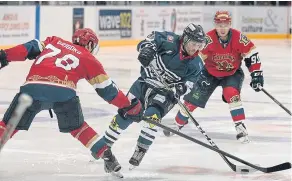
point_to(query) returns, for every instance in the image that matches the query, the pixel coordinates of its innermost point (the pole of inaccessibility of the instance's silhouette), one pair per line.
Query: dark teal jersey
(169, 61)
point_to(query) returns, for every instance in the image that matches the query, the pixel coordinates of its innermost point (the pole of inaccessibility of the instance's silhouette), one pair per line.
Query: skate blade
(244, 140)
(92, 161)
(117, 174)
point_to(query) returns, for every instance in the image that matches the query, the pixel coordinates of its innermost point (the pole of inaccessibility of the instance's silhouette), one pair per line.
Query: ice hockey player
(52, 80)
(176, 60)
(226, 48)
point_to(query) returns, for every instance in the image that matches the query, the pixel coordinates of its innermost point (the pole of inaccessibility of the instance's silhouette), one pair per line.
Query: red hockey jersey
(62, 63)
(221, 62)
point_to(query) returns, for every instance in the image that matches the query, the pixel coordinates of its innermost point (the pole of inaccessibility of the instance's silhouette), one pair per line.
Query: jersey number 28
(60, 62)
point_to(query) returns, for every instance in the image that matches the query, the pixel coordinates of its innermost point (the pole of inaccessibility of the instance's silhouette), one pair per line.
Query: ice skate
(242, 134)
(111, 164)
(137, 157)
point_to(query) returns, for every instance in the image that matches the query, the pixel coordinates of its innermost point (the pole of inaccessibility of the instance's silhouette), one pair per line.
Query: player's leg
(118, 123)
(157, 107)
(100, 146)
(42, 96)
(231, 93)
(198, 97)
(71, 120)
(25, 120)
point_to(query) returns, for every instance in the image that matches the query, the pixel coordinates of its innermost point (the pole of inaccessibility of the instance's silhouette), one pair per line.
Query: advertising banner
(17, 24)
(114, 24)
(184, 16)
(174, 19)
(78, 18)
(262, 20)
(146, 20)
(290, 21)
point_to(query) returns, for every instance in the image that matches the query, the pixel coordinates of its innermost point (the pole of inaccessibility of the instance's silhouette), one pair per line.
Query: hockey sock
(86, 135)
(148, 132)
(182, 118)
(117, 125)
(235, 105)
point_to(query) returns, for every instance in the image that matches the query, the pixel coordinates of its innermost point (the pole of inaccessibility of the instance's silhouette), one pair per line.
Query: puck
(245, 170)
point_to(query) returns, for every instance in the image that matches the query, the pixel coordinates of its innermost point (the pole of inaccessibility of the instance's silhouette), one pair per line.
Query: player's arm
(252, 61)
(29, 50)
(152, 41)
(194, 70)
(107, 89)
(148, 48)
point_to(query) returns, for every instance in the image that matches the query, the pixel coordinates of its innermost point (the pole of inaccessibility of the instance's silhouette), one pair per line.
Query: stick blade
(280, 167)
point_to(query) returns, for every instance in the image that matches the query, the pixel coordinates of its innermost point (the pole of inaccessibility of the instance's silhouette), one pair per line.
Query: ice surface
(44, 154)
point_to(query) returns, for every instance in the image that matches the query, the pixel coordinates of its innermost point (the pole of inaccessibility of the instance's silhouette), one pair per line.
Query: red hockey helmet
(222, 17)
(87, 38)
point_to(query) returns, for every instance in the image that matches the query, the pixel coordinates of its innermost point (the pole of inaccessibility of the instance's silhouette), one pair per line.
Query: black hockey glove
(133, 112)
(180, 89)
(257, 80)
(3, 59)
(146, 55)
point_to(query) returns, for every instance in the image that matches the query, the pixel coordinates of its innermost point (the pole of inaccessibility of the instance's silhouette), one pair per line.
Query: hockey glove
(180, 89)
(146, 55)
(3, 59)
(133, 112)
(257, 80)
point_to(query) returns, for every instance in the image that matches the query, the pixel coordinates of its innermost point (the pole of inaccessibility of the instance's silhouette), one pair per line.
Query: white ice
(44, 154)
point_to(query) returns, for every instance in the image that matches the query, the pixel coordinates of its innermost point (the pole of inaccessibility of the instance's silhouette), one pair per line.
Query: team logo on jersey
(244, 40)
(208, 40)
(169, 38)
(224, 66)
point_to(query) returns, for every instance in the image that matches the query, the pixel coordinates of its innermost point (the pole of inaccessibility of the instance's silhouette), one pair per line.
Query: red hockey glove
(133, 112)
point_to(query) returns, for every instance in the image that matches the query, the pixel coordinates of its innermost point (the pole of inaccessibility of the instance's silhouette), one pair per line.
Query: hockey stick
(275, 100)
(24, 101)
(233, 167)
(276, 168)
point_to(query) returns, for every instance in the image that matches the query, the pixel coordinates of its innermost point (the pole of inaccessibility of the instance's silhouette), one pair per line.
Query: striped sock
(111, 135)
(237, 111)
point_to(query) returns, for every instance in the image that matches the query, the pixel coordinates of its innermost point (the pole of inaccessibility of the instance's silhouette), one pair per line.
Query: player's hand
(257, 80)
(173, 96)
(133, 112)
(3, 59)
(146, 55)
(181, 89)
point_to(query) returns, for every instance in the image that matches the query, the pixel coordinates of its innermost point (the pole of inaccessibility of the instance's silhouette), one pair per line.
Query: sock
(181, 118)
(235, 105)
(148, 132)
(85, 134)
(111, 135)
